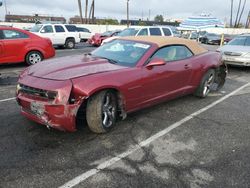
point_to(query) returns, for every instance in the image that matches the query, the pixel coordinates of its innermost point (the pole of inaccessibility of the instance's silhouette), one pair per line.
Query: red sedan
(120, 77)
(96, 40)
(17, 45)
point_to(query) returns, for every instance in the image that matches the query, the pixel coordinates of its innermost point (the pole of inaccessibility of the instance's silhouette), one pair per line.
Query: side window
(143, 32)
(166, 32)
(11, 34)
(247, 43)
(1, 35)
(173, 53)
(71, 28)
(47, 29)
(155, 31)
(59, 29)
(86, 30)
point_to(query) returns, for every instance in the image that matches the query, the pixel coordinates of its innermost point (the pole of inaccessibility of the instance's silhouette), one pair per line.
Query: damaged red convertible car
(120, 77)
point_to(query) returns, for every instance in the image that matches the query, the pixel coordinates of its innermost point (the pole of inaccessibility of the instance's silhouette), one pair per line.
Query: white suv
(60, 34)
(158, 31)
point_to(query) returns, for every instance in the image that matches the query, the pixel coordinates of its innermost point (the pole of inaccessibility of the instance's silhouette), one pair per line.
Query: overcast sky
(117, 8)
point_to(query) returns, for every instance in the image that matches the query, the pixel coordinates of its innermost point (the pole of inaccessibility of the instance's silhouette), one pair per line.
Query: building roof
(164, 41)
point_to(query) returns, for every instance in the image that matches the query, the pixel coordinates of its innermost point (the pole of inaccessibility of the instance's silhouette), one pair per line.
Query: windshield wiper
(109, 60)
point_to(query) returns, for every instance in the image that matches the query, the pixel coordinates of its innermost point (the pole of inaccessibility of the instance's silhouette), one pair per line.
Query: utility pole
(127, 13)
(86, 11)
(80, 10)
(149, 14)
(231, 15)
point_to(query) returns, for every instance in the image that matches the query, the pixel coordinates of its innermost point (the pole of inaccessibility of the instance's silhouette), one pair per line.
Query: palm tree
(80, 10)
(86, 11)
(238, 11)
(231, 15)
(242, 10)
(92, 11)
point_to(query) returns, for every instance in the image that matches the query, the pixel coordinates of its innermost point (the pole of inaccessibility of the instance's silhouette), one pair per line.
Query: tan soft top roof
(163, 41)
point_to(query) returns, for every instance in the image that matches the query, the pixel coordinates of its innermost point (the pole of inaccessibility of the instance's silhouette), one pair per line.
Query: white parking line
(9, 99)
(77, 180)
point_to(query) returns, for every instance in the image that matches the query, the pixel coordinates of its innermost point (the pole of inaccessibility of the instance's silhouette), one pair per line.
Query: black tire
(70, 44)
(205, 84)
(33, 57)
(101, 112)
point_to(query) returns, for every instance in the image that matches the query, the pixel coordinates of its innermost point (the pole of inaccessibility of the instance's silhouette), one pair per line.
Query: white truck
(65, 35)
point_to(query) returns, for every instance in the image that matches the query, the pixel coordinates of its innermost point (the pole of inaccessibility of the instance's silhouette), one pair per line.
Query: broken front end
(48, 102)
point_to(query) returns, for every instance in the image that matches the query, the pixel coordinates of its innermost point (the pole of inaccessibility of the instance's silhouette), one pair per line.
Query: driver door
(171, 79)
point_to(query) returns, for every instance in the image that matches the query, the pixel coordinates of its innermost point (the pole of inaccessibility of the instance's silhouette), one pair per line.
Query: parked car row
(207, 38)
(108, 36)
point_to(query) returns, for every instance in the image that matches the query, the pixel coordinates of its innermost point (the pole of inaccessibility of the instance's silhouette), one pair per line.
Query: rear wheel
(33, 57)
(206, 83)
(70, 43)
(101, 111)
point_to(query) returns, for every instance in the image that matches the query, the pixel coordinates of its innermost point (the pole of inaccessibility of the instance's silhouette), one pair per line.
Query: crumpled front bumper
(61, 117)
(57, 113)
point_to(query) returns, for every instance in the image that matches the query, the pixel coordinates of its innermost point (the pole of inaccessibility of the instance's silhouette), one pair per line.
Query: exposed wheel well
(70, 38)
(81, 113)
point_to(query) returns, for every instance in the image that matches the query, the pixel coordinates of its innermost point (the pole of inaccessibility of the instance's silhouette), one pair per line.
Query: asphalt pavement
(187, 142)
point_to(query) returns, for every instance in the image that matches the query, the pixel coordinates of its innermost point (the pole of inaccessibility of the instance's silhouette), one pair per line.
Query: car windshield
(238, 41)
(128, 32)
(36, 28)
(123, 52)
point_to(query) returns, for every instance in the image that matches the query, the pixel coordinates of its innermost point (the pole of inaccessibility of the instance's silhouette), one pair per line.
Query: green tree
(108, 22)
(159, 18)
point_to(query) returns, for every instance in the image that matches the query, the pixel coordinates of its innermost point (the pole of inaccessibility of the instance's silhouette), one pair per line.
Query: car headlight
(50, 94)
(18, 88)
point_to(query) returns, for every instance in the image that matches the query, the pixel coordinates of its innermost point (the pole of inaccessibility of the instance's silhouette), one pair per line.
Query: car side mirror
(42, 31)
(155, 62)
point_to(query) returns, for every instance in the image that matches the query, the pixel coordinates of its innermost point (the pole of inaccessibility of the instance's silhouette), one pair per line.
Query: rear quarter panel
(202, 63)
(41, 45)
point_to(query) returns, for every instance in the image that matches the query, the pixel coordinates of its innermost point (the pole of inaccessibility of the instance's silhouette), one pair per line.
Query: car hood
(235, 48)
(71, 67)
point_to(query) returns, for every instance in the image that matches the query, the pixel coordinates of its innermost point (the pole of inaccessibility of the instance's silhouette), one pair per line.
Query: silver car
(237, 51)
